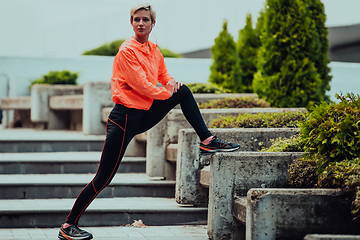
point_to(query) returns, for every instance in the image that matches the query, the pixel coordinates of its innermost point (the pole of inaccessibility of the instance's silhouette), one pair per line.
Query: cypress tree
(321, 59)
(286, 76)
(225, 70)
(247, 46)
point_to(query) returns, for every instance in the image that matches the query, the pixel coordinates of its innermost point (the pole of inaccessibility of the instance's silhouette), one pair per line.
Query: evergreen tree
(247, 47)
(286, 75)
(225, 70)
(321, 59)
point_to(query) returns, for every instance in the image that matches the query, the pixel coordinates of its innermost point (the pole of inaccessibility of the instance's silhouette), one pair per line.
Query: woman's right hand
(173, 86)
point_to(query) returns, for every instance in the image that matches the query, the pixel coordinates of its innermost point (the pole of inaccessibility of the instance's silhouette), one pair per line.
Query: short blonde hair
(144, 6)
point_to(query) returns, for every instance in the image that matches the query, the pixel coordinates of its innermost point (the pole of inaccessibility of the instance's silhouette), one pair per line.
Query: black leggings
(123, 124)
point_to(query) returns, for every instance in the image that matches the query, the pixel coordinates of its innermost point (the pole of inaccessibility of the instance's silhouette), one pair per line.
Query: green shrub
(169, 54)
(206, 88)
(225, 69)
(247, 46)
(286, 75)
(331, 139)
(303, 173)
(57, 77)
(333, 130)
(292, 144)
(261, 120)
(240, 102)
(111, 49)
(107, 49)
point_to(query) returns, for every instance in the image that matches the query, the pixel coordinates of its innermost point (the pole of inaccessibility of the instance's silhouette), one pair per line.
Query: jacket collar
(131, 42)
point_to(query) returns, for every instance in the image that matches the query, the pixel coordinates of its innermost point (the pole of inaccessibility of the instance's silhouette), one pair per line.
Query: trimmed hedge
(261, 120)
(57, 77)
(206, 88)
(240, 102)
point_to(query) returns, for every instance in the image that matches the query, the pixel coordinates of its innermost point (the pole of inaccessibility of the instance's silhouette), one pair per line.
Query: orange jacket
(136, 71)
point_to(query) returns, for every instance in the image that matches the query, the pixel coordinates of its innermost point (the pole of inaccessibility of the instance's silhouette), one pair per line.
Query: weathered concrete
(330, 237)
(97, 95)
(293, 213)
(166, 133)
(234, 174)
(68, 102)
(189, 164)
(40, 108)
(15, 109)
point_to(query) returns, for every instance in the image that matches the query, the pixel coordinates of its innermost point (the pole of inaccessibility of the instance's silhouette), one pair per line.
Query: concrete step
(63, 162)
(102, 212)
(41, 186)
(30, 140)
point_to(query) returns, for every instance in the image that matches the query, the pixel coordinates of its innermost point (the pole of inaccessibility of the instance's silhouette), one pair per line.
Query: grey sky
(66, 28)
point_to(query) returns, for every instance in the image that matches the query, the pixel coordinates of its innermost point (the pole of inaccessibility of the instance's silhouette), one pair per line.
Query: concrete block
(97, 95)
(12, 107)
(188, 189)
(40, 108)
(234, 174)
(189, 163)
(293, 213)
(68, 102)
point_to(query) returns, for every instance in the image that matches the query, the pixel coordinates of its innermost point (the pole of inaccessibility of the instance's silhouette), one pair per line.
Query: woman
(140, 105)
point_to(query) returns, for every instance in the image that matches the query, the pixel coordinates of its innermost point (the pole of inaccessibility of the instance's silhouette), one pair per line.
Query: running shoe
(217, 145)
(71, 232)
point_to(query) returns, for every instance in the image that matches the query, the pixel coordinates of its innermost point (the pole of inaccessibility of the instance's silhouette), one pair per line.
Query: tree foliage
(247, 47)
(225, 70)
(111, 49)
(287, 76)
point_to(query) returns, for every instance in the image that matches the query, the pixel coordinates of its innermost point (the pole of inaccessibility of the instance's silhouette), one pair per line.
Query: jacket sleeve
(136, 78)
(164, 77)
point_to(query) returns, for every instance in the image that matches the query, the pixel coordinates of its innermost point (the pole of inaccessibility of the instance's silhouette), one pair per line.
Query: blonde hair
(144, 6)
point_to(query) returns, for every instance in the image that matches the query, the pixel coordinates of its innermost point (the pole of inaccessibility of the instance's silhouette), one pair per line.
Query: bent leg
(189, 107)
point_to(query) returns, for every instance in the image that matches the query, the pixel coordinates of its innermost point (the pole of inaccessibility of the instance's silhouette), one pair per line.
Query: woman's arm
(136, 77)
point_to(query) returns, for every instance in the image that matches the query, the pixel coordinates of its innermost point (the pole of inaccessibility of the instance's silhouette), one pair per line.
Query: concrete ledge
(20, 103)
(293, 213)
(330, 237)
(68, 102)
(40, 109)
(189, 163)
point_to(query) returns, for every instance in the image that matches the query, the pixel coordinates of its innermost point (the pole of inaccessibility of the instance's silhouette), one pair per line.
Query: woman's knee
(184, 90)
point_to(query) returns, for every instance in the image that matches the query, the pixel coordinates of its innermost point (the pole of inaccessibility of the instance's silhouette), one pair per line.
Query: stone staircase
(42, 172)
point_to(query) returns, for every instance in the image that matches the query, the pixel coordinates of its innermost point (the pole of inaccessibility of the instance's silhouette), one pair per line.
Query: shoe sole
(220, 150)
(60, 236)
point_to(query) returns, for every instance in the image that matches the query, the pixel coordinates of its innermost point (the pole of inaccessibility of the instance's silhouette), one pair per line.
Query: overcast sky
(66, 28)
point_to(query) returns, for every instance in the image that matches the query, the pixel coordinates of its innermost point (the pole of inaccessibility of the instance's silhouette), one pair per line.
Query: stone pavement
(184, 232)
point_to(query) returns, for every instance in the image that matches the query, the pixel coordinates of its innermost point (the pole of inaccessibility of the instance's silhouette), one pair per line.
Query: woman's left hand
(177, 86)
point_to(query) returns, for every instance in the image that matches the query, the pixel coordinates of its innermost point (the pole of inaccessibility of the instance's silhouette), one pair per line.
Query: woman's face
(141, 23)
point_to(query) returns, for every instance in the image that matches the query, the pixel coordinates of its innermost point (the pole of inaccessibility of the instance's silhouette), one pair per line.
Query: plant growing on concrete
(240, 102)
(111, 49)
(261, 120)
(287, 76)
(292, 144)
(225, 69)
(57, 77)
(247, 46)
(206, 88)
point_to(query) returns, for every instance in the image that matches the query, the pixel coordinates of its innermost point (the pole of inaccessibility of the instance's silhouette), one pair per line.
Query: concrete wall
(17, 72)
